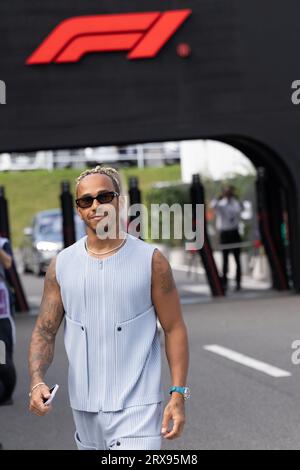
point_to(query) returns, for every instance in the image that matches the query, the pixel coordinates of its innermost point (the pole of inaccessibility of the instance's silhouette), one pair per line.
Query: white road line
(247, 361)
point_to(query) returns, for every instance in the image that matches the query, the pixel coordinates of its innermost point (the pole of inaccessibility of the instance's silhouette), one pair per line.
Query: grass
(34, 191)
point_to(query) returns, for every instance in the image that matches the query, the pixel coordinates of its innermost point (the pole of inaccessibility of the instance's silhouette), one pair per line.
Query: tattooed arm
(41, 349)
(167, 305)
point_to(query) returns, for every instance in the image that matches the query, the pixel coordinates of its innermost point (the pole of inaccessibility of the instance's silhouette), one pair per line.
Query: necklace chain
(105, 252)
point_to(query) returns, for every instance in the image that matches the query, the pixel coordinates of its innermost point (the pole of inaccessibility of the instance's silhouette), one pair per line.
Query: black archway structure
(277, 204)
(225, 74)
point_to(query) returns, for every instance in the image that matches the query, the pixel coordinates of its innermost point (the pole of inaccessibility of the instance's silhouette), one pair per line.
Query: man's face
(92, 185)
(228, 192)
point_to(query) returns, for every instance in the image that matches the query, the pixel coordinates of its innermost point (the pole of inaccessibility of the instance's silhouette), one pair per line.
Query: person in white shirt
(228, 210)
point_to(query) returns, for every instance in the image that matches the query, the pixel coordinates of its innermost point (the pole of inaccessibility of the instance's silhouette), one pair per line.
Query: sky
(212, 159)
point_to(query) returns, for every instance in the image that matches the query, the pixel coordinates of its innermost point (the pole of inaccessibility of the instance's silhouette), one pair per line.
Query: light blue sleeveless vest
(111, 335)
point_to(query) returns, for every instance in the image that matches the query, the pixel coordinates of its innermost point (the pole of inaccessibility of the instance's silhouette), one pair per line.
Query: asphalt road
(232, 407)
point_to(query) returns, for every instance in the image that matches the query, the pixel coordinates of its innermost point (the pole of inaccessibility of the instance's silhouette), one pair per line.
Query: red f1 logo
(143, 34)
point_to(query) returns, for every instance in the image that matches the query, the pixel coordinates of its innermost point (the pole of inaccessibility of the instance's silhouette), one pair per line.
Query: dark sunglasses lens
(85, 202)
(105, 197)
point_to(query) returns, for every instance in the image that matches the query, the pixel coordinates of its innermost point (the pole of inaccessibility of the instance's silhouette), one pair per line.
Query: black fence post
(198, 197)
(67, 207)
(4, 219)
(272, 241)
(134, 198)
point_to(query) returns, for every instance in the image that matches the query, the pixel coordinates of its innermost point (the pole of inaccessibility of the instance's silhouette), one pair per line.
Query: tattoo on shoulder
(163, 271)
(51, 309)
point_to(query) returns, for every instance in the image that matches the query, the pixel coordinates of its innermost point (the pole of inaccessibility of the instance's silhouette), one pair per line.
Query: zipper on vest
(102, 372)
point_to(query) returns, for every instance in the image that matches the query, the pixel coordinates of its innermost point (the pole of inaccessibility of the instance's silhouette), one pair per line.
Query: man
(228, 210)
(112, 291)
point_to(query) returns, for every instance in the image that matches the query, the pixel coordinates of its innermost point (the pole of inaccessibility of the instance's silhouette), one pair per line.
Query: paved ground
(232, 406)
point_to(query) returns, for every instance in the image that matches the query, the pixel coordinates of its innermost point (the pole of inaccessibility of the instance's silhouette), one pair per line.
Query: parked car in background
(44, 239)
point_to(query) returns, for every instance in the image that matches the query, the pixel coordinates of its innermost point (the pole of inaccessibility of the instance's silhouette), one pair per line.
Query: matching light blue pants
(134, 428)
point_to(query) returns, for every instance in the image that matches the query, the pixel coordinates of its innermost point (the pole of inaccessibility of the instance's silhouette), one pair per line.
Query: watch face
(187, 393)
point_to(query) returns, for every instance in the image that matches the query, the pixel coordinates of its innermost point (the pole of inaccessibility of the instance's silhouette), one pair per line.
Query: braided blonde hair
(102, 170)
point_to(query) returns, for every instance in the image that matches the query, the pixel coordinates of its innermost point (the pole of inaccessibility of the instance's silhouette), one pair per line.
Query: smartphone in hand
(53, 391)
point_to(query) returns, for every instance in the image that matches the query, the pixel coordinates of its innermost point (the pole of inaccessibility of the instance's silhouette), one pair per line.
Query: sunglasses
(102, 198)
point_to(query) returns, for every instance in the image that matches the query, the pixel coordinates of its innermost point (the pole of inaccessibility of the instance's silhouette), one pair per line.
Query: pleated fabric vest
(111, 335)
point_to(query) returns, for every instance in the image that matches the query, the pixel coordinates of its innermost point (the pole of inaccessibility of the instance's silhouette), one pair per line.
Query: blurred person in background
(7, 328)
(228, 210)
(7, 370)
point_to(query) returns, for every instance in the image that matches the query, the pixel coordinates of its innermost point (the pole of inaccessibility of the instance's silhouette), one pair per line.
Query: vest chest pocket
(134, 340)
(76, 348)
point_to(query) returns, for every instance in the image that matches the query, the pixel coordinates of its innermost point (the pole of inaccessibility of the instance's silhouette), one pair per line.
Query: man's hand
(37, 399)
(174, 411)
